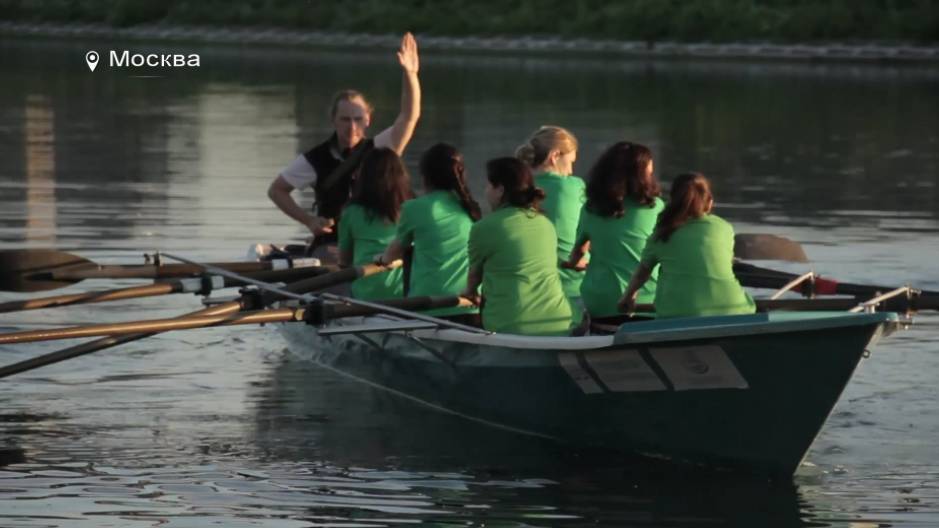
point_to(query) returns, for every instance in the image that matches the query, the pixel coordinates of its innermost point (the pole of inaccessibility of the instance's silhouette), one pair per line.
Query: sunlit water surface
(222, 427)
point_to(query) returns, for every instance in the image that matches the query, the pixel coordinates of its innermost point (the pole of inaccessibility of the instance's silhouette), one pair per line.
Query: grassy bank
(647, 20)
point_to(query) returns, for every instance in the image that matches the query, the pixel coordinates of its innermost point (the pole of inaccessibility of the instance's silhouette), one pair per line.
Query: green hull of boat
(747, 393)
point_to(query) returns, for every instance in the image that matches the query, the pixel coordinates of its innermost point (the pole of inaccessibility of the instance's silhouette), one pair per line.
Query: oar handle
(758, 277)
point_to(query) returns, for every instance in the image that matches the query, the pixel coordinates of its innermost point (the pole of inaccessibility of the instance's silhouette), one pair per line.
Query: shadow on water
(307, 413)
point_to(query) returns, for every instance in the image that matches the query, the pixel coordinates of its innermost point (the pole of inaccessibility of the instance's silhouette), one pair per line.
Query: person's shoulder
(588, 214)
(352, 211)
(713, 219)
(413, 204)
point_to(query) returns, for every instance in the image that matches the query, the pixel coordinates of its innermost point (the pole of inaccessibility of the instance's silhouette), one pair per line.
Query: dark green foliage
(648, 20)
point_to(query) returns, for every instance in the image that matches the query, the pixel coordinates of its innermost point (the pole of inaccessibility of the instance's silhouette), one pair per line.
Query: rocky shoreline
(292, 38)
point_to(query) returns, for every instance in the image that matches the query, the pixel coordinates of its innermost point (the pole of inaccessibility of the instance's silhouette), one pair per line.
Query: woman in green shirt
(513, 254)
(622, 206)
(369, 222)
(551, 152)
(695, 250)
(438, 226)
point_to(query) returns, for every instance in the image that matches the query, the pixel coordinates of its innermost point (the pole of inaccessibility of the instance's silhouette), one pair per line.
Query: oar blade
(28, 270)
(748, 246)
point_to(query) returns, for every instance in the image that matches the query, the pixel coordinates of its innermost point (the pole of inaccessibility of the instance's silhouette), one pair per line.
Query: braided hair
(443, 170)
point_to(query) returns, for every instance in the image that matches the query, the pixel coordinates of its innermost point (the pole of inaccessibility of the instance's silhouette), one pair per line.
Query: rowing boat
(747, 392)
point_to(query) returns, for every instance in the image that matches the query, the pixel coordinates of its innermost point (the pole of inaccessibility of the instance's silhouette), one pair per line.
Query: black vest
(335, 171)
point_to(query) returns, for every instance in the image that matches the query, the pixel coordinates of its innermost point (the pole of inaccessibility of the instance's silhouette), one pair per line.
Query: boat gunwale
(730, 327)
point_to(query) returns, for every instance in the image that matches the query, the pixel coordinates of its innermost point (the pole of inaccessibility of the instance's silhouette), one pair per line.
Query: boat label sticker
(699, 367)
(581, 377)
(624, 371)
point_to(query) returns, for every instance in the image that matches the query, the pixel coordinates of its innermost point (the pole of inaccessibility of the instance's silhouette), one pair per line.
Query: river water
(223, 428)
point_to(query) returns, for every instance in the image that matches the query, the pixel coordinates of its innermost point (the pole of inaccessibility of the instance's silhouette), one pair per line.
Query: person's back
(370, 221)
(694, 251)
(696, 274)
(550, 152)
(616, 248)
(622, 208)
(564, 197)
(366, 235)
(439, 228)
(517, 249)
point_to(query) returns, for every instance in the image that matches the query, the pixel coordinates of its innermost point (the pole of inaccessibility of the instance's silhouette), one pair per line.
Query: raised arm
(397, 136)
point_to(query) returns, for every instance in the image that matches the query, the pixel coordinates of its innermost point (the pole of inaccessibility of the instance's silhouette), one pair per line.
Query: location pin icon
(92, 59)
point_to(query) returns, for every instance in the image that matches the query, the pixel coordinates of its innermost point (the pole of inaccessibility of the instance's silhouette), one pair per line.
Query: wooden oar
(330, 296)
(245, 302)
(201, 286)
(152, 326)
(202, 320)
(104, 343)
(27, 270)
(748, 246)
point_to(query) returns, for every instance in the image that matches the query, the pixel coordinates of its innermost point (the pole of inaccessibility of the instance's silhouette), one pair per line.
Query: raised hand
(407, 55)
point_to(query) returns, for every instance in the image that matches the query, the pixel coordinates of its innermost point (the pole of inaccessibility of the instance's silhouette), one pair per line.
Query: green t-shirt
(366, 236)
(697, 276)
(516, 251)
(439, 228)
(616, 246)
(565, 195)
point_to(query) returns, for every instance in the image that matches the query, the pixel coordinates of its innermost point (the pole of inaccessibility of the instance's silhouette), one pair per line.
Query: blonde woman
(551, 152)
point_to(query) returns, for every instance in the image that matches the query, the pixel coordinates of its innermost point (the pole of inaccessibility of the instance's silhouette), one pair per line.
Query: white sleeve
(299, 174)
(383, 139)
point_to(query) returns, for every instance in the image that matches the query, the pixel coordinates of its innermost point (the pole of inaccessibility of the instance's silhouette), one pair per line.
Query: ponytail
(535, 151)
(443, 170)
(690, 198)
(517, 183)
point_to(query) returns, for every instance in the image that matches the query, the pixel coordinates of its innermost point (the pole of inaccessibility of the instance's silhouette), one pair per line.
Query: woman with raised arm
(695, 252)
(329, 166)
(437, 225)
(551, 152)
(513, 254)
(368, 224)
(622, 207)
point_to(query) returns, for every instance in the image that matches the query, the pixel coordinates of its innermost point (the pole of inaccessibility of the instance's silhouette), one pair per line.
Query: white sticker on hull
(624, 371)
(581, 377)
(700, 367)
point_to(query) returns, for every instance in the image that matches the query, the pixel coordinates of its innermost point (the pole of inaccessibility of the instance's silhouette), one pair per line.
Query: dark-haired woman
(438, 225)
(370, 220)
(695, 251)
(513, 254)
(622, 207)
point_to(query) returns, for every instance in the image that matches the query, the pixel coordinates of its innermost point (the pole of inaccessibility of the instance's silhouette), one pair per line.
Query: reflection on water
(221, 427)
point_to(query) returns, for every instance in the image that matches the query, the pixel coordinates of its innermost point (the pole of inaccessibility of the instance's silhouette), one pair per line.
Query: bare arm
(397, 136)
(279, 193)
(473, 279)
(393, 252)
(576, 261)
(628, 302)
